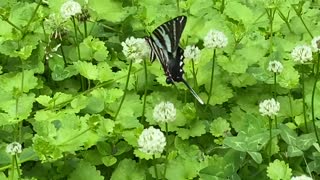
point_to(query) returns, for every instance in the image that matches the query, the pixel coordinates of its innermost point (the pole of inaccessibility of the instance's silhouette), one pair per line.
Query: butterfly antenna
(192, 91)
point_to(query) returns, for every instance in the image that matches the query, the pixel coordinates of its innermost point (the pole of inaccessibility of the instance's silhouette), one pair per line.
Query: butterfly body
(164, 44)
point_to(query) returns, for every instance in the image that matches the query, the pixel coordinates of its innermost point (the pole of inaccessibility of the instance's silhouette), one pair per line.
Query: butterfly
(164, 44)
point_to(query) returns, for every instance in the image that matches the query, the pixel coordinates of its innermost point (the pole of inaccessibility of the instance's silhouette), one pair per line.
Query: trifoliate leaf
(239, 12)
(220, 93)
(84, 171)
(11, 81)
(288, 135)
(256, 157)
(20, 107)
(109, 160)
(279, 170)
(87, 69)
(219, 127)
(58, 99)
(92, 48)
(289, 77)
(111, 11)
(128, 169)
(104, 72)
(305, 141)
(196, 128)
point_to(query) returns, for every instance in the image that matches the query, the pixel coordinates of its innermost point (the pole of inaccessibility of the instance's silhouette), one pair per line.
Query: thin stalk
(304, 102)
(298, 12)
(285, 19)
(271, 13)
(275, 95)
(76, 36)
(9, 22)
(270, 139)
(312, 98)
(125, 91)
(155, 167)
(33, 15)
(194, 75)
(12, 168)
(211, 79)
(15, 157)
(167, 151)
(74, 137)
(145, 88)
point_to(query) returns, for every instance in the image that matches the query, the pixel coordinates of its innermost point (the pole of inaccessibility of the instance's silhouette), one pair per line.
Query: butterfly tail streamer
(192, 91)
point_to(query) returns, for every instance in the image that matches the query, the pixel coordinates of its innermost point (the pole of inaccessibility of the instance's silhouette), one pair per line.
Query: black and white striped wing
(167, 35)
(157, 52)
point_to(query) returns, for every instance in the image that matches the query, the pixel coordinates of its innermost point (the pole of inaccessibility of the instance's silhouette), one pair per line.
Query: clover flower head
(303, 177)
(215, 39)
(302, 53)
(269, 107)
(70, 8)
(135, 49)
(14, 148)
(315, 44)
(192, 52)
(164, 112)
(151, 141)
(275, 66)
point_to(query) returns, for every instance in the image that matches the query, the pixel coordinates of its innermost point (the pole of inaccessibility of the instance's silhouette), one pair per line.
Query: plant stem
(271, 13)
(212, 74)
(194, 75)
(312, 97)
(9, 22)
(76, 36)
(304, 101)
(155, 167)
(275, 95)
(298, 12)
(167, 152)
(33, 15)
(285, 19)
(15, 157)
(270, 139)
(145, 88)
(125, 91)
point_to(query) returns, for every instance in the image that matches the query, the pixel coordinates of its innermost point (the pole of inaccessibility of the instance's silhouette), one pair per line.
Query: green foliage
(72, 99)
(279, 170)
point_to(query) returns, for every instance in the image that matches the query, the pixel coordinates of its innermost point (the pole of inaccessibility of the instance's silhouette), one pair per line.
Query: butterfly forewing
(167, 35)
(164, 44)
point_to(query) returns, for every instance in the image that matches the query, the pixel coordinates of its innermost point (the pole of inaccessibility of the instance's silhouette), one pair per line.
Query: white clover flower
(315, 44)
(164, 112)
(135, 49)
(303, 177)
(192, 52)
(275, 66)
(70, 8)
(151, 141)
(14, 148)
(269, 107)
(302, 53)
(215, 39)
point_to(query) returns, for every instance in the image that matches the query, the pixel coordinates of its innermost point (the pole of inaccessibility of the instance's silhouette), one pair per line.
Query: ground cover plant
(80, 98)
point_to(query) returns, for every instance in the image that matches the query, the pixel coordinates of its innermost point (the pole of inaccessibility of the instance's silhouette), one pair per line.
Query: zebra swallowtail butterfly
(164, 44)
